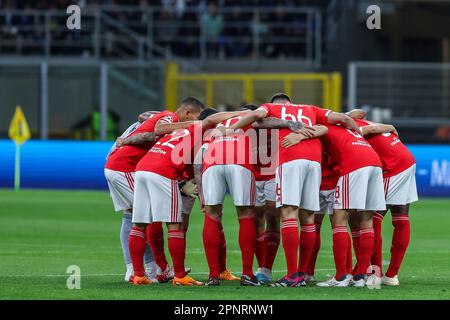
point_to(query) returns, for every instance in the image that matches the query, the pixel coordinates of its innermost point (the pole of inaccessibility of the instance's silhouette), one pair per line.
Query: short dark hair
(280, 96)
(193, 102)
(249, 106)
(206, 113)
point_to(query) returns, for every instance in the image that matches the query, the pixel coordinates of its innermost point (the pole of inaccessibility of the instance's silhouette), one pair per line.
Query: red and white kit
(263, 170)
(399, 167)
(228, 162)
(157, 197)
(298, 175)
(121, 162)
(360, 185)
(330, 177)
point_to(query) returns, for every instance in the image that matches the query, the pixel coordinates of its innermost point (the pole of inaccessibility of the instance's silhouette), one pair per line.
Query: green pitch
(44, 232)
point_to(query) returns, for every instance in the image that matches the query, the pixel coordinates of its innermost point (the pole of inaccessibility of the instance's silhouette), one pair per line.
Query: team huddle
(283, 164)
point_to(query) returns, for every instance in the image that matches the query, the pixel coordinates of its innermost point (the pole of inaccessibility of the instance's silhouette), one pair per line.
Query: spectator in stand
(237, 33)
(211, 23)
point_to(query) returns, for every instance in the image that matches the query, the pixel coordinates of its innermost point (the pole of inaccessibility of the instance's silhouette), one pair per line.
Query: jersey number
(291, 117)
(174, 136)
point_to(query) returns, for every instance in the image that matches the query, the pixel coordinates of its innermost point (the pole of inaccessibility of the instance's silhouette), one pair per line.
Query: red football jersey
(310, 149)
(231, 149)
(394, 155)
(266, 161)
(173, 155)
(348, 149)
(330, 173)
(125, 159)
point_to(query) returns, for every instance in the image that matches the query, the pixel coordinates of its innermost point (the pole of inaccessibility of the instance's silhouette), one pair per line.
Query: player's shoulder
(168, 116)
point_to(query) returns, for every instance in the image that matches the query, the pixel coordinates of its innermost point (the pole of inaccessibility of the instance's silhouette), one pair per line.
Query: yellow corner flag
(19, 132)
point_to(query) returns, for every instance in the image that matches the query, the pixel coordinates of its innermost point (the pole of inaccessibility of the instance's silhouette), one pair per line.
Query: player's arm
(198, 166)
(343, 119)
(162, 127)
(139, 138)
(246, 120)
(217, 118)
(276, 123)
(378, 128)
(295, 138)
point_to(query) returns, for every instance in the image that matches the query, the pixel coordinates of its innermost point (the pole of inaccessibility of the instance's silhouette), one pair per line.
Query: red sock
(260, 249)
(211, 243)
(177, 249)
(155, 236)
(272, 242)
(349, 255)
(247, 239)
(355, 240)
(307, 244)
(222, 251)
(315, 253)
(377, 257)
(289, 237)
(340, 243)
(365, 250)
(137, 247)
(400, 241)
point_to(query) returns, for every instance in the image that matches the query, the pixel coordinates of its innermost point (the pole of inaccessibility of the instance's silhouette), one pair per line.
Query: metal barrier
(418, 93)
(322, 89)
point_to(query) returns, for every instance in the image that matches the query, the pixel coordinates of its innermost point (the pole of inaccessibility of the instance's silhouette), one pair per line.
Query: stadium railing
(234, 89)
(134, 32)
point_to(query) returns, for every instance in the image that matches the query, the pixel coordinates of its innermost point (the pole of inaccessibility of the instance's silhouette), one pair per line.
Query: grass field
(43, 232)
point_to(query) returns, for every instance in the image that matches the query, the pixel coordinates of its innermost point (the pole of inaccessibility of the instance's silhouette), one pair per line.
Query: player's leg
(377, 255)
(339, 222)
(307, 240)
(155, 236)
(272, 238)
(310, 270)
(241, 184)
(272, 234)
(125, 229)
(365, 247)
(354, 222)
(260, 225)
(212, 241)
(400, 242)
(309, 204)
(121, 189)
(141, 218)
(288, 190)
(166, 207)
(247, 237)
(213, 189)
(401, 192)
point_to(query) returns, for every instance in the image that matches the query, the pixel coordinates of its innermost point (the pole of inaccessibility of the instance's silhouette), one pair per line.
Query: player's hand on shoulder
(291, 140)
(119, 142)
(220, 131)
(307, 131)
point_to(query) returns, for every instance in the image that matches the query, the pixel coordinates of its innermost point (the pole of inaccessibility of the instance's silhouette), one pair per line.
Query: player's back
(310, 149)
(126, 158)
(349, 149)
(394, 155)
(173, 154)
(231, 149)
